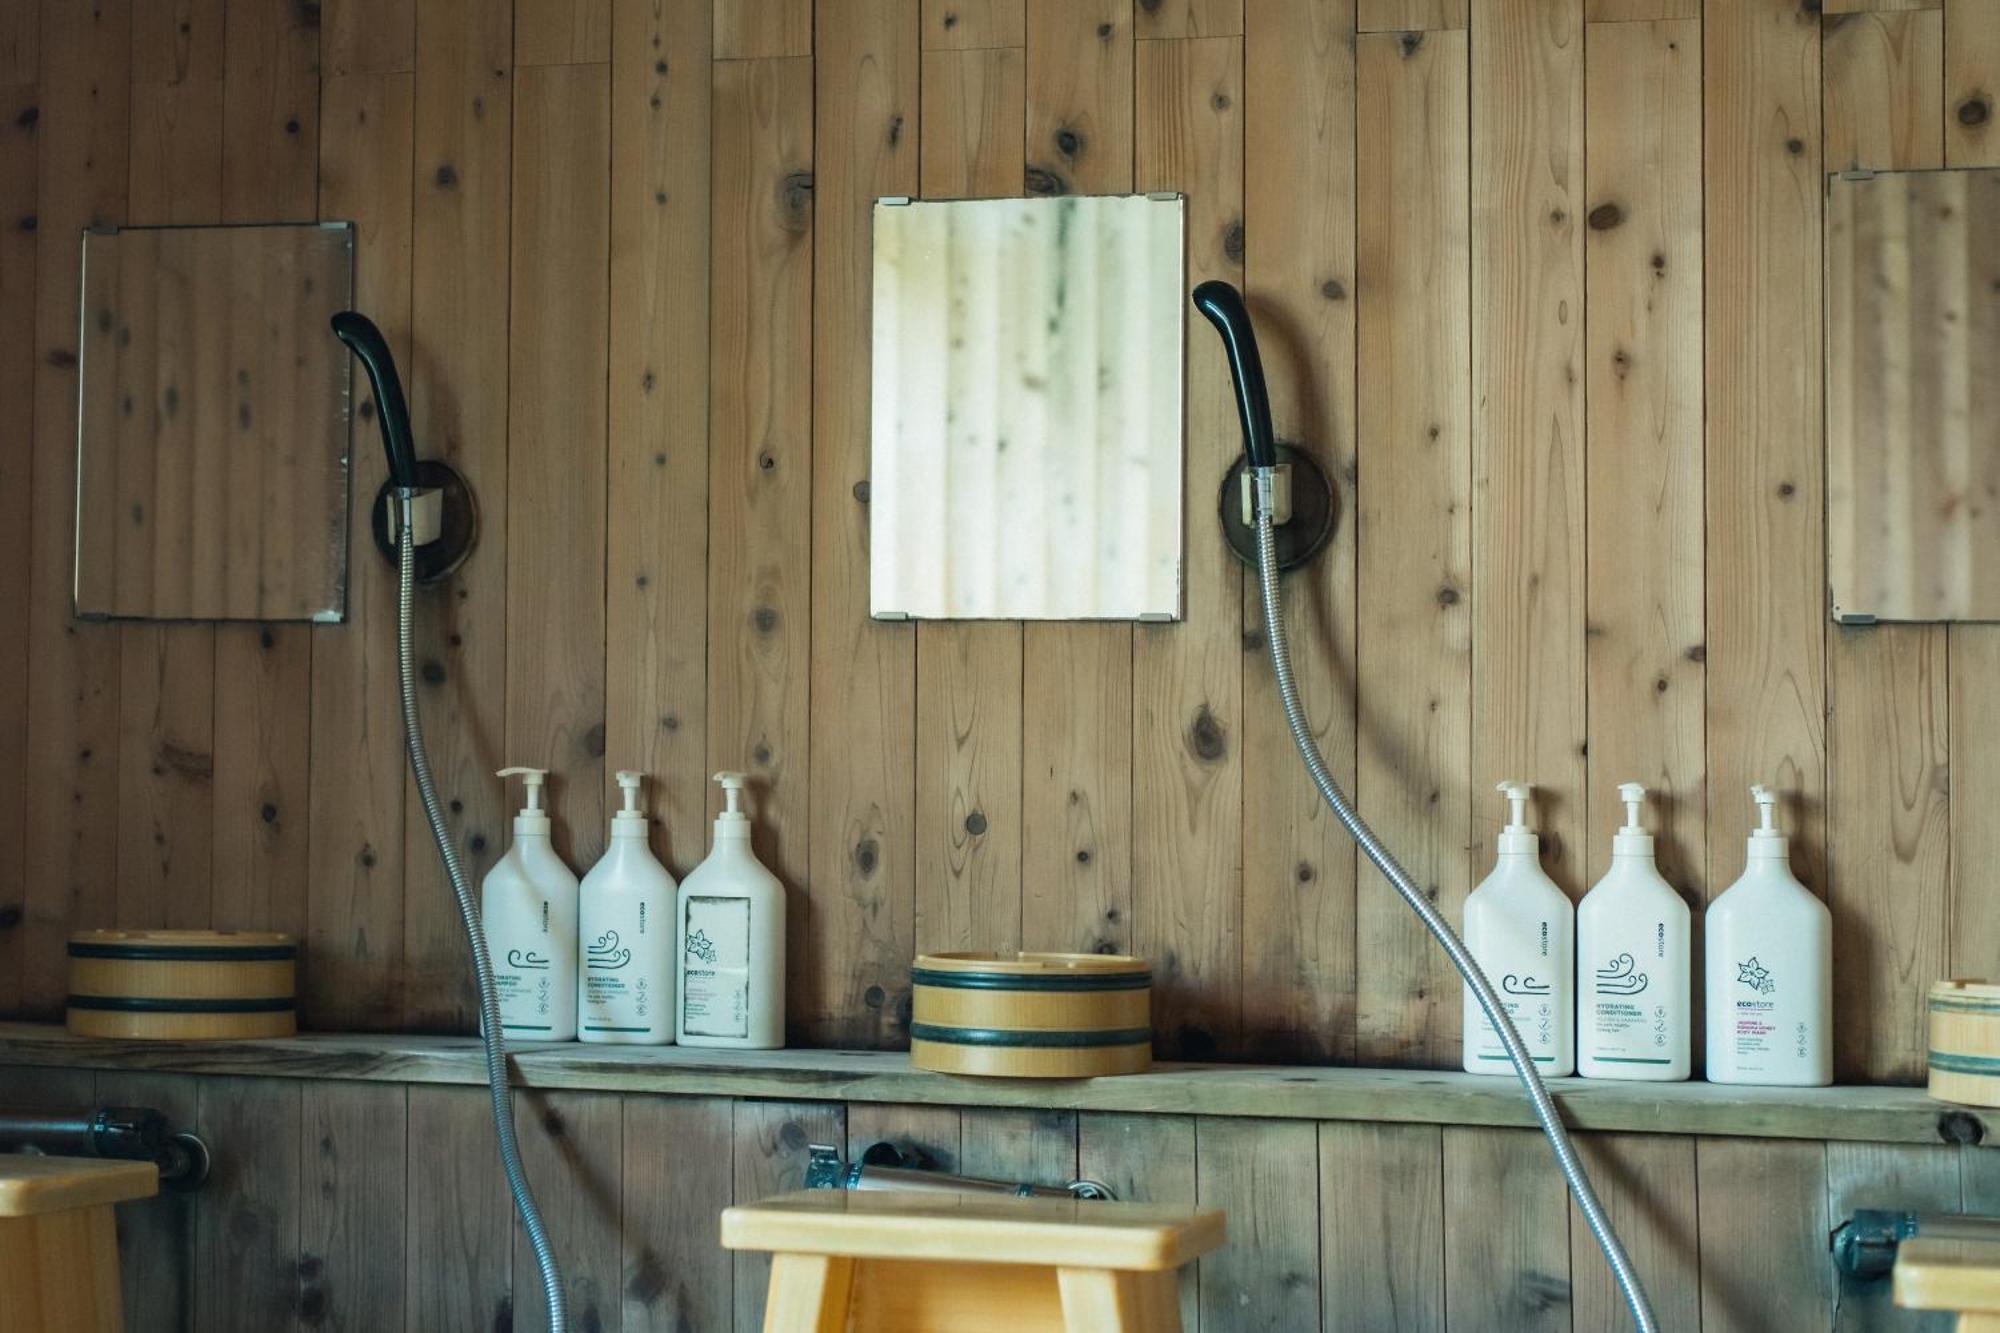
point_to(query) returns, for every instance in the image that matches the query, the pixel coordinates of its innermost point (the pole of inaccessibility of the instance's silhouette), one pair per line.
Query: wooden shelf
(1291, 1092)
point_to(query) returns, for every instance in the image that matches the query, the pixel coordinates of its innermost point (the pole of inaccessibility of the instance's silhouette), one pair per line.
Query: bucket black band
(1016, 1037)
(1031, 981)
(135, 1004)
(187, 953)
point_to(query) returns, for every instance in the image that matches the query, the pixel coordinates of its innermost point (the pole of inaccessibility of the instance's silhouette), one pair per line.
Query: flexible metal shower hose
(1517, 1051)
(468, 912)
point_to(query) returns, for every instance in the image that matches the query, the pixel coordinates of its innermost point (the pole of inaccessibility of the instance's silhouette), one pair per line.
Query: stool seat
(31, 1184)
(886, 1261)
(59, 1242)
(1958, 1275)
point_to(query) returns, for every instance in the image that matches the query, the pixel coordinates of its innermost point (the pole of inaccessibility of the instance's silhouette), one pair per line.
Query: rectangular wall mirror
(1026, 459)
(1913, 395)
(212, 431)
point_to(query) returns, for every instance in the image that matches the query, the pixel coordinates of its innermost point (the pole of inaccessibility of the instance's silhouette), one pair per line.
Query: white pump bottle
(1521, 929)
(626, 929)
(1634, 981)
(527, 909)
(1770, 970)
(732, 927)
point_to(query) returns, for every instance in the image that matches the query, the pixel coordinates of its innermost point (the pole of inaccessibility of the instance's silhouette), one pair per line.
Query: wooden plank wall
(375, 1206)
(1538, 281)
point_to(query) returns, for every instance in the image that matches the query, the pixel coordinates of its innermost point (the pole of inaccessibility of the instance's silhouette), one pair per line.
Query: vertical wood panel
(930, 1133)
(355, 1159)
(1032, 1147)
(1972, 74)
(770, 1158)
(1506, 1234)
(166, 696)
(459, 232)
(1902, 1177)
(1076, 679)
(963, 24)
(1188, 18)
(1149, 1159)
(863, 734)
(1187, 679)
(1971, 82)
(1888, 747)
(1413, 662)
(1527, 421)
(270, 169)
(760, 479)
(1763, 1222)
(1381, 1190)
(72, 684)
(19, 110)
(359, 37)
(656, 667)
(247, 1231)
(573, 1148)
(675, 1183)
(562, 32)
(557, 364)
(1298, 863)
(158, 1291)
(1260, 1172)
(354, 918)
(1619, 11)
(458, 1272)
(1643, 383)
(969, 688)
(760, 29)
(1412, 15)
(1646, 1183)
(1766, 581)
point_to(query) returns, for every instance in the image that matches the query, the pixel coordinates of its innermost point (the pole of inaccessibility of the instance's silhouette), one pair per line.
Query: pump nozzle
(531, 784)
(1517, 837)
(1767, 804)
(1634, 795)
(629, 784)
(732, 785)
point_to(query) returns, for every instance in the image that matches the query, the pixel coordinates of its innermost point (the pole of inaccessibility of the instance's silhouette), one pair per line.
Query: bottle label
(1628, 1026)
(1758, 1030)
(615, 999)
(522, 982)
(715, 947)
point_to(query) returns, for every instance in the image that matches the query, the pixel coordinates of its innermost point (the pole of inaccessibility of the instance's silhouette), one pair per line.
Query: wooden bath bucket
(182, 985)
(1965, 1042)
(1031, 1015)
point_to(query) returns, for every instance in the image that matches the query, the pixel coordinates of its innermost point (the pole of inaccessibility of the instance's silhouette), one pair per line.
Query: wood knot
(1333, 290)
(593, 741)
(975, 823)
(1605, 216)
(446, 176)
(1068, 142)
(1206, 739)
(1961, 1127)
(795, 201)
(764, 620)
(1410, 43)
(1041, 181)
(1232, 241)
(1974, 111)
(866, 857)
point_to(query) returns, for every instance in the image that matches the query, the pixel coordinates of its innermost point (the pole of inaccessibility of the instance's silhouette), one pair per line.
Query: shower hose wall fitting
(1622, 1271)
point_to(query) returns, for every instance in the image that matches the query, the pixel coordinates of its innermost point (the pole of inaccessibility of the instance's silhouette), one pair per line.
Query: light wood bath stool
(889, 1262)
(1962, 1276)
(59, 1244)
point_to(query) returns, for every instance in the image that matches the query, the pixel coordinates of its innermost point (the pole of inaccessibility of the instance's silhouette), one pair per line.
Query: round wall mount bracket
(458, 525)
(1314, 510)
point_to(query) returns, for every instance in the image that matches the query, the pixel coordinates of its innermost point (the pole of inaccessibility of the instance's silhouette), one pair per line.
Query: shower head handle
(363, 339)
(1223, 305)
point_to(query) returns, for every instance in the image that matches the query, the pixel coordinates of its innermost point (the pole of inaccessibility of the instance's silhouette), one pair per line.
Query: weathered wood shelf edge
(1288, 1092)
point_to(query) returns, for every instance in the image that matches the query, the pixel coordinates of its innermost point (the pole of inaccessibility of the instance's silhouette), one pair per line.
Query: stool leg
(808, 1293)
(1103, 1300)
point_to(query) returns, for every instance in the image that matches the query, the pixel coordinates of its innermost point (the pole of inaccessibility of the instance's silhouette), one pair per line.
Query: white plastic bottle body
(1770, 985)
(1520, 929)
(625, 980)
(1634, 979)
(528, 910)
(732, 956)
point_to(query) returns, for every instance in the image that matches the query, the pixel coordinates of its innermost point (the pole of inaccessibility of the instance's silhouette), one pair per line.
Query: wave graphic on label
(1622, 977)
(1523, 985)
(526, 959)
(605, 955)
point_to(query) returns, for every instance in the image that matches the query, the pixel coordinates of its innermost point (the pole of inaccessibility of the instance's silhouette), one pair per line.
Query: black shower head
(1223, 305)
(366, 342)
